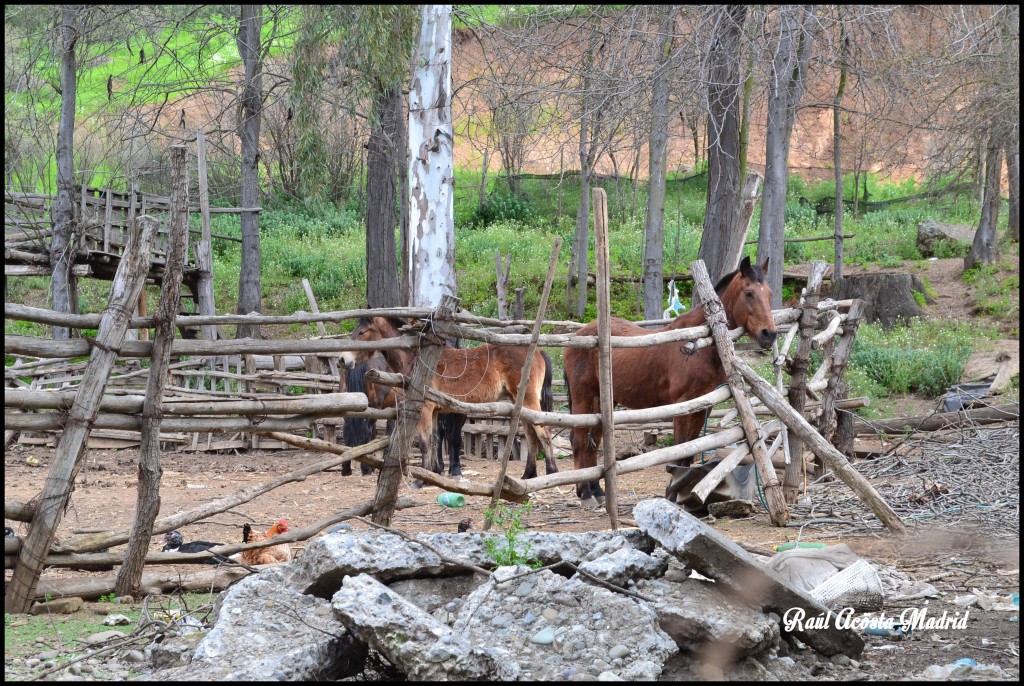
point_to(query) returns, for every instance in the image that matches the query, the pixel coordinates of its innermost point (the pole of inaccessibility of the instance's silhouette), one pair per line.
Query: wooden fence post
(831, 421)
(67, 462)
(409, 411)
(129, 577)
(513, 426)
(604, 350)
(798, 376)
(204, 249)
(714, 314)
(835, 460)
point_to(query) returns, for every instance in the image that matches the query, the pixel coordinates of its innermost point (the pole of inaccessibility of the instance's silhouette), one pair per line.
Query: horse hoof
(590, 503)
(600, 500)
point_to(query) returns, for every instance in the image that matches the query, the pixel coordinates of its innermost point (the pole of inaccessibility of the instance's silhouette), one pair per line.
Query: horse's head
(747, 301)
(370, 329)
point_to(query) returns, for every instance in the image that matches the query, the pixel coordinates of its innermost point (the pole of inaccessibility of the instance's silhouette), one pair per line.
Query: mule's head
(747, 301)
(369, 329)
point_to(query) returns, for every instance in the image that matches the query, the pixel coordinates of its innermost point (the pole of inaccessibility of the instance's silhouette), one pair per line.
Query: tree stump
(888, 297)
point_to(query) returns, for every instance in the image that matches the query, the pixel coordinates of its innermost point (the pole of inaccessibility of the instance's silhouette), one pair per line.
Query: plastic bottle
(792, 544)
(451, 499)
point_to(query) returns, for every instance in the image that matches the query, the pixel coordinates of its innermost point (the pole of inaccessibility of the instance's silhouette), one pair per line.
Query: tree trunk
(129, 577)
(431, 177)
(248, 40)
(985, 249)
(402, 162)
(1013, 180)
(62, 249)
(789, 70)
(837, 267)
(721, 218)
(381, 264)
(654, 224)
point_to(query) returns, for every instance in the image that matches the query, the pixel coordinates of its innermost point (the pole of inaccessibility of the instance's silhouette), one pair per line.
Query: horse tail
(355, 430)
(547, 399)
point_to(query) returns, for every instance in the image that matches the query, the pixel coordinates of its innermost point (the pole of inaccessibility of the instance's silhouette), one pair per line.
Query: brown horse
(663, 374)
(483, 374)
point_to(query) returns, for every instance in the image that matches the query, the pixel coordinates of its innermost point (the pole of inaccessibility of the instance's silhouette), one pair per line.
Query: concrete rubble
(353, 592)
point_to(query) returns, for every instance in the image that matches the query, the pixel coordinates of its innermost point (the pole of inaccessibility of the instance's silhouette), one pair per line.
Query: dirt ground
(104, 498)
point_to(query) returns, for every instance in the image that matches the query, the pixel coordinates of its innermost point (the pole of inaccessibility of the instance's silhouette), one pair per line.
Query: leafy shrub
(925, 357)
(507, 549)
(504, 207)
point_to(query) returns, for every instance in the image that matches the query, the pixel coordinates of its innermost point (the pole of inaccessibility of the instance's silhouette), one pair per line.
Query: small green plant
(503, 207)
(108, 598)
(507, 549)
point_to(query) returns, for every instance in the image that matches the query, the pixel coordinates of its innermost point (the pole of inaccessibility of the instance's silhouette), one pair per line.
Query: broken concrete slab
(625, 564)
(417, 644)
(434, 593)
(731, 508)
(565, 629)
(699, 618)
(717, 557)
(328, 559)
(265, 631)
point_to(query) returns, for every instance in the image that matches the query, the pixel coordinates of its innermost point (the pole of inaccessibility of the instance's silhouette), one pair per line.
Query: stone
(135, 656)
(408, 637)
(618, 651)
(624, 565)
(732, 508)
(253, 639)
(433, 593)
(609, 676)
(695, 613)
(116, 620)
(544, 637)
(933, 236)
(57, 606)
(715, 556)
(388, 557)
(104, 636)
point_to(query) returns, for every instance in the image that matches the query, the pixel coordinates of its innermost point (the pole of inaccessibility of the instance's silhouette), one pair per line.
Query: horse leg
(532, 446)
(453, 435)
(425, 432)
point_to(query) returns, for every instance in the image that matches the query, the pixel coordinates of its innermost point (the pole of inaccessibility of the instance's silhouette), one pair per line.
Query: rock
(57, 606)
(135, 656)
(715, 556)
(433, 593)
(578, 636)
(116, 620)
(544, 637)
(609, 676)
(695, 613)
(420, 646)
(104, 636)
(841, 660)
(32, 662)
(623, 565)
(387, 557)
(254, 639)
(731, 508)
(618, 651)
(933, 236)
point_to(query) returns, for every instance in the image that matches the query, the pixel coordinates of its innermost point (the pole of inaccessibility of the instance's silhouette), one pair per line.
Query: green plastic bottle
(451, 499)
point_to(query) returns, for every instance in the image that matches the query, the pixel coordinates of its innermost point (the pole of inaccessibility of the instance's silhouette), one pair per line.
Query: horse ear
(764, 267)
(745, 268)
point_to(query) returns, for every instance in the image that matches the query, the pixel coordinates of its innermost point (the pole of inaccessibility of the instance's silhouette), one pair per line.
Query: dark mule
(663, 374)
(486, 373)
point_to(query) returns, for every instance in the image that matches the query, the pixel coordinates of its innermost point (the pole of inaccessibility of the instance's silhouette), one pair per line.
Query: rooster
(282, 552)
(465, 525)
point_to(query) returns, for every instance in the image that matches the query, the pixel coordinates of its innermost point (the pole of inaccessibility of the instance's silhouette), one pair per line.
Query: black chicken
(174, 542)
(465, 525)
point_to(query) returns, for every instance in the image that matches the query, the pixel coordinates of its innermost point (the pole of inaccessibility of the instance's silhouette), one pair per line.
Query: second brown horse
(663, 374)
(486, 373)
